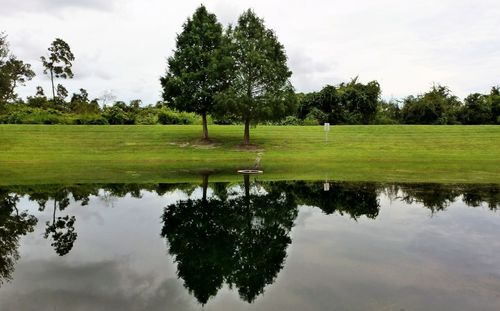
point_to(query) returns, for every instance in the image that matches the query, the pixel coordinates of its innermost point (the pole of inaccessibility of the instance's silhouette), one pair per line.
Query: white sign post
(327, 129)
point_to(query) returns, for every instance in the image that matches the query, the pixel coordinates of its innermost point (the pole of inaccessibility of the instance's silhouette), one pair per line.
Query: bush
(90, 119)
(169, 116)
(310, 120)
(116, 115)
(291, 120)
(147, 116)
(146, 119)
(317, 115)
(385, 120)
(27, 115)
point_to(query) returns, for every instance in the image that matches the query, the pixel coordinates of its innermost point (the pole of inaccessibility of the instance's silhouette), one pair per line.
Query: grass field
(80, 154)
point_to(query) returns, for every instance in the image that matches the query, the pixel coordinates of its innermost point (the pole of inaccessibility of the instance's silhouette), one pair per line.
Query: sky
(121, 46)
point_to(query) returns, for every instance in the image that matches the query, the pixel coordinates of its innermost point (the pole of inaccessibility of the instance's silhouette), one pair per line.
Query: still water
(250, 246)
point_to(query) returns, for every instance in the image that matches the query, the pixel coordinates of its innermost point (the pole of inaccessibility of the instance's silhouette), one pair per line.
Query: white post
(327, 129)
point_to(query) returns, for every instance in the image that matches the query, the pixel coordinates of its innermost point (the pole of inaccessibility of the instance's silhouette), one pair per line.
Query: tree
(438, 106)
(39, 91)
(328, 101)
(476, 110)
(359, 101)
(240, 239)
(260, 88)
(347, 103)
(13, 72)
(58, 63)
(388, 112)
(61, 92)
(196, 71)
(13, 225)
(494, 102)
(80, 103)
(353, 199)
(62, 228)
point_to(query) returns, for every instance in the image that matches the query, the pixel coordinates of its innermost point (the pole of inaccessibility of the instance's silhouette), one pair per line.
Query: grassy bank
(60, 154)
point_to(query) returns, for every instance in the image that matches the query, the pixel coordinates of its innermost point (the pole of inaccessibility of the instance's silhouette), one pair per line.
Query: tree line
(229, 75)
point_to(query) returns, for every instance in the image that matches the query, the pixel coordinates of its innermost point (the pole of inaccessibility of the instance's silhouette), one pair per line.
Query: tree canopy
(58, 63)
(259, 87)
(13, 72)
(438, 106)
(197, 70)
(347, 103)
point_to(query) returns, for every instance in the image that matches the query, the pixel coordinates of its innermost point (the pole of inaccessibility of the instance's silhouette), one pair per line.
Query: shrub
(169, 116)
(27, 115)
(90, 119)
(310, 120)
(290, 120)
(117, 115)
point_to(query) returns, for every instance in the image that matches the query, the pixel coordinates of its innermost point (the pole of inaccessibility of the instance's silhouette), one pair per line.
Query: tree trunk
(205, 186)
(246, 182)
(205, 127)
(52, 81)
(54, 215)
(246, 137)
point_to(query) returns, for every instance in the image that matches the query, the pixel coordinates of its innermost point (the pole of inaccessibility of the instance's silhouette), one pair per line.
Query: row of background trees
(237, 75)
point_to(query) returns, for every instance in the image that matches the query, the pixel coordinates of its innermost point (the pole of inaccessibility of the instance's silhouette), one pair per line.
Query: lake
(252, 245)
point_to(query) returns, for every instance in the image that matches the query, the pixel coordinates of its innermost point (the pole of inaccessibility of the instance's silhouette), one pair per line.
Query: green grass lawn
(80, 154)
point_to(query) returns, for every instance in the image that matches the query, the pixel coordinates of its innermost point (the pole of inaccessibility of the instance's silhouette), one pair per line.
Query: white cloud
(53, 6)
(406, 46)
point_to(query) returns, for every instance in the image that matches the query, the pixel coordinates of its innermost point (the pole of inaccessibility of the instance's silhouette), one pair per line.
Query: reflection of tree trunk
(205, 186)
(54, 214)
(246, 137)
(246, 181)
(205, 127)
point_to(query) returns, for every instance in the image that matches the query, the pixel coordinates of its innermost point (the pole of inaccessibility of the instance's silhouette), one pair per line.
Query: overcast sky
(122, 45)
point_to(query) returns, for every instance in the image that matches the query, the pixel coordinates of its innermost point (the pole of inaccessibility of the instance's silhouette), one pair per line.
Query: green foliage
(27, 115)
(388, 113)
(58, 63)
(81, 111)
(307, 102)
(170, 116)
(259, 87)
(438, 106)
(196, 71)
(310, 120)
(359, 101)
(494, 102)
(148, 115)
(348, 103)
(119, 113)
(61, 92)
(81, 104)
(90, 119)
(290, 120)
(13, 72)
(476, 110)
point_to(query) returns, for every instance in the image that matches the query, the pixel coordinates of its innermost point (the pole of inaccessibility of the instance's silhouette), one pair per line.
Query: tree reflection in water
(239, 239)
(13, 225)
(238, 235)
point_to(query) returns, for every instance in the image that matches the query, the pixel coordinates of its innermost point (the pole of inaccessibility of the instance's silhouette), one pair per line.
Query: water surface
(250, 246)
